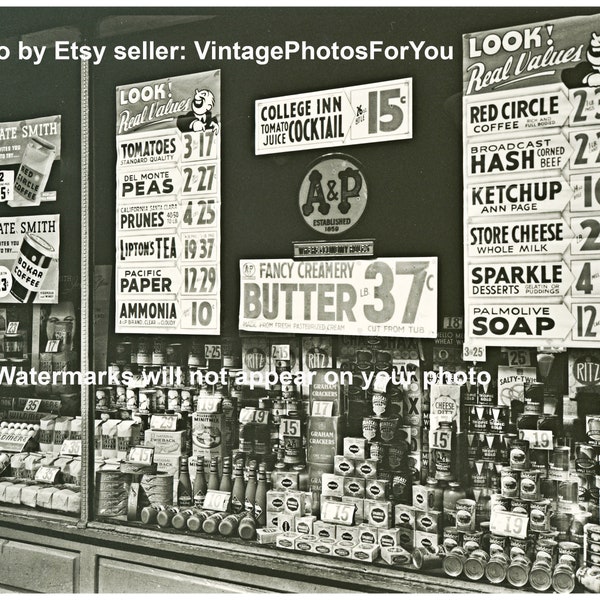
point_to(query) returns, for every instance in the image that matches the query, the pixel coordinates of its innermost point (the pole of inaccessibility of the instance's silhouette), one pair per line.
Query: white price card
(141, 455)
(290, 428)
(71, 448)
(261, 417)
(474, 353)
(163, 422)
(199, 145)
(322, 409)
(12, 327)
(518, 357)
(7, 183)
(509, 524)
(441, 439)
(340, 513)
(32, 405)
(209, 404)
(216, 500)
(539, 439)
(47, 474)
(52, 346)
(246, 415)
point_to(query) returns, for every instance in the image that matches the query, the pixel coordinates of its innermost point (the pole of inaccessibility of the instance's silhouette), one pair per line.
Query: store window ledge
(37, 518)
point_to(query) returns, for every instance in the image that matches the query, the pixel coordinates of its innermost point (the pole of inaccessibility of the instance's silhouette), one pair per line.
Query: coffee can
(428, 558)
(539, 515)
(530, 485)
(453, 563)
(474, 567)
(540, 576)
(518, 454)
(452, 538)
(465, 515)
(517, 573)
(370, 429)
(30, 267)
(563, 579)
(509, 482)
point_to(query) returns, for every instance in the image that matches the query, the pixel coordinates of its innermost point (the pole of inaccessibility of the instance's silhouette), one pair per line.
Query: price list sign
(531, 163)
(168, 276)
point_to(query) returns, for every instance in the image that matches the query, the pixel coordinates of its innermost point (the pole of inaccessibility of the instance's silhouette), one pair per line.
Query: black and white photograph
(300, 298)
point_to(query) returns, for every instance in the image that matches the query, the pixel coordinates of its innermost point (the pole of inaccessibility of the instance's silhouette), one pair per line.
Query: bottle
(225, 485)
(196, 520)
(229, 525)
(438, 493)
(247, 527)
(185, 495)
(180, 520)
(165, 516)
(149, 513)
(213, 477)
(238, 493)
(260, 497)
(200, 485)
(452, 494)
(250, 495)
(211, 524)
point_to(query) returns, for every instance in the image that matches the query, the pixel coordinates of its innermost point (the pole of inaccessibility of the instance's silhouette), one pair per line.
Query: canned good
(479, 418)
(517, 573)
(495, 570)
(530, 485)
(498, 419)
(379, 403)
(465, 515)
(520, 506)
(472, 540)
(388, 426)
(509, 482)
(518, 547)
(428, 558)
(452, 538)
(569, 549)
(540, 576)
(518, 454)
(559, 458)
(497, 544)
(490, 447)
(370, 428)
(563, 579)
(539, 515)
(174, 355)
(454, 561)
(568, 493)
(474, 567)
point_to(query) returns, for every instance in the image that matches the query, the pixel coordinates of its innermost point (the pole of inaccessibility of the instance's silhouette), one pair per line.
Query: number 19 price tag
(509, 524)
(539, 439)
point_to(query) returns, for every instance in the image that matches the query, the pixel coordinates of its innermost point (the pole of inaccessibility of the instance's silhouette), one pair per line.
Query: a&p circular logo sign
(333, 194)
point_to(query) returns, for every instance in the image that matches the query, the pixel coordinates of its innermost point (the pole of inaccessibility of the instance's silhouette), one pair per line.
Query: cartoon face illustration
(593, 51)
(203, 102)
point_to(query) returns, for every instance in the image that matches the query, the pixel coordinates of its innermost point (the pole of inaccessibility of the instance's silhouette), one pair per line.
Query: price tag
(199, 145)
(52, 345)
(209, 405)
(280, 352)
(261, 417)
(473, 353)
(5, 281)
(290, 428)
(441, 439)
(141, 455)
(212, 351)
(508, 524)
(47, 474)
(322, 409)
(339, 513)
(216, 500)
(32, 405)
(71, 448)
(518, 357)
(246, 415)
(453, 323)
(12, 327)
(163, 422)
(539, 439)
(7, 182)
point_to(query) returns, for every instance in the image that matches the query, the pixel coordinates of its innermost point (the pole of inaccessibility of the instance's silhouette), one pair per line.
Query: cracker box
(323, 546)
(343, 466)
(166, 442)
(332, 485)
(367, 534)
(275, 501)
(284, 480)
(343, 549)
(267, 535)
(287, 540)
(273, 520)
(305, 543)
(324, 530)
(430, 521)
(324, 439)
(305, 525)
(388, 537)
(378, 513)
(355, 448)
(404, 516)
(354, 487)
(396, 555)
(377, 489)
(293, 503)
(286, 522)
(425, 539)
(366, 468)
(366, 552)
(423, 497)
(347, 533)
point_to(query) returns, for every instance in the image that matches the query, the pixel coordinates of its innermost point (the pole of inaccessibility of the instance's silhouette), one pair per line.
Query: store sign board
(168, 276)
(362, 114)
(342, 248)
(394, 297)
(532, 189)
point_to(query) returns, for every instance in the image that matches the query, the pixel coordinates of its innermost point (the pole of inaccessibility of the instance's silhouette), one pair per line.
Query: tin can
(563, 579)
(173, 399)
(474, 442)
(147, 400)
(570, 549)
(144, 351)
(370, 429)
(518, 454)
(498, 422)
(452, 538)
(479, 419)
(510, 482)
(379, 453)
(388, 426)
(474, 567)
(495, 570)
(559, 458)
(379, 403)
(568, 493)
(517, 573)
(518, 547)
(530, 485)
(539, 515)
(497, 544)
(159, 345)
(187, 399)
(519, 506)
(453, 563)
(174, 355)
(490, 446)
(472, 540)
(465, 515)
(428, 558)
(123, 352)
(540, 576)
(397, 455)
